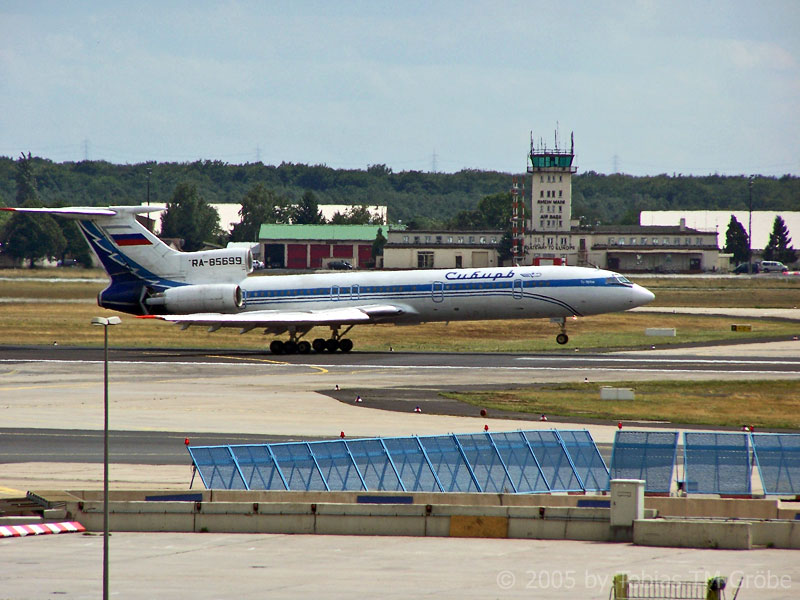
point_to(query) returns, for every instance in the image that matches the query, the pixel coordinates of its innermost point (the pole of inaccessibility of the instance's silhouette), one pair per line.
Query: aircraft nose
(641, 295)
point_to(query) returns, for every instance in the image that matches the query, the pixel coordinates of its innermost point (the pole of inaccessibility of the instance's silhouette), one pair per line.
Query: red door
(296, 256)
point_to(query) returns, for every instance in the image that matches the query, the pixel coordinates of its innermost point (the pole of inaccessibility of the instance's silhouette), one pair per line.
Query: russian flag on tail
(131, 239)
(7, 531)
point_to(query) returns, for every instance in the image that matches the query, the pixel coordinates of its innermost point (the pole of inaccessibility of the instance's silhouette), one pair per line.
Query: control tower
(551, 187)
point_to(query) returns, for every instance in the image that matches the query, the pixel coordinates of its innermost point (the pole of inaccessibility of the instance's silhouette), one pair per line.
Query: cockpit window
(619, 280)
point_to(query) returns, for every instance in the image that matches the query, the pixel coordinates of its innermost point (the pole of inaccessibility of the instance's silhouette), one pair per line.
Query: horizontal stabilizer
(86, 212)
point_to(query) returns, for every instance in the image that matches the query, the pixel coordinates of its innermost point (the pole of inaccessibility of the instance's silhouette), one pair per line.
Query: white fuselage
(453, 294)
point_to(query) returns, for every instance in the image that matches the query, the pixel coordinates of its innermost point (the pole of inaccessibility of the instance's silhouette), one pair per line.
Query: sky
(647, 87)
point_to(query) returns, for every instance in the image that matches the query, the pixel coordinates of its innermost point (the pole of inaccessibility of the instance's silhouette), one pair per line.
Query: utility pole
(149, 171)
(149, 219)
(750, 226)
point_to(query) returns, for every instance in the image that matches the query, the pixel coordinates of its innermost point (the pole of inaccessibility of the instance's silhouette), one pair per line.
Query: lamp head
(104, 321)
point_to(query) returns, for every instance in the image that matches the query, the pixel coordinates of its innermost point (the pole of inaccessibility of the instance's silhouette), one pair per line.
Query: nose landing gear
(562, 338)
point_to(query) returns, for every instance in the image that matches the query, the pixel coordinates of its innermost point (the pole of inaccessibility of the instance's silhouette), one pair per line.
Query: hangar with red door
(316, 246)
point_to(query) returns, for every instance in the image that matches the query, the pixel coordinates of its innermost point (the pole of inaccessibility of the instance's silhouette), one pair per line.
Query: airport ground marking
(362, 368)
(268, 361)
(47, 387)
(249, 358)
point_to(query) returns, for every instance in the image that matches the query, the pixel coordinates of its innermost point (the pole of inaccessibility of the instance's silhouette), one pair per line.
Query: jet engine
(211, 297)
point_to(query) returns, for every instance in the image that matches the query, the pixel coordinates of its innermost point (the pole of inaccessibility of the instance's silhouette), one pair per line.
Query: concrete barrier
(692, 506)
(687, 533)
(660, 331)
(612, 393)
(776, 534)
(436, 514)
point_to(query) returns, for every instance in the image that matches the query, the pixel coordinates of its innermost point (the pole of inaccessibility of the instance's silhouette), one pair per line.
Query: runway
(51, 397)
(660, 361)
(51, 411)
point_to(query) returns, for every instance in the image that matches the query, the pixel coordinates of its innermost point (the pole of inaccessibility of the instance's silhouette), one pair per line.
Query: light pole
(105, 322)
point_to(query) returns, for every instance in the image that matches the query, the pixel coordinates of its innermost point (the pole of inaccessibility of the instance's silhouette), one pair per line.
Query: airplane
(212, 288)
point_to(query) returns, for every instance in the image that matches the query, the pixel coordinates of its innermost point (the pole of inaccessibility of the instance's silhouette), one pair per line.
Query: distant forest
(413, 197)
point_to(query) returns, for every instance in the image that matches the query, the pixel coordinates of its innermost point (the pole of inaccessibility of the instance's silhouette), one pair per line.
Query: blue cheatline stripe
(420, 290)
(267, 298)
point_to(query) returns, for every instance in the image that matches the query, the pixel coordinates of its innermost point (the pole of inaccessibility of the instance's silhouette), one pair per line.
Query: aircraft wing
(281, 319)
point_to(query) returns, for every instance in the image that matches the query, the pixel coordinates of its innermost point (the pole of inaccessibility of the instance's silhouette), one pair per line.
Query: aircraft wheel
(345, 345)
(562, 338)
(276, 347)
(290, 347)
(318, 345)
(303, 347)
(332, 345)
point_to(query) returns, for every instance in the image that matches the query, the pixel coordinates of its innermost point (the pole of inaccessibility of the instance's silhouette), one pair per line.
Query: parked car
(742, 268)
(773, 266)
(340, 265)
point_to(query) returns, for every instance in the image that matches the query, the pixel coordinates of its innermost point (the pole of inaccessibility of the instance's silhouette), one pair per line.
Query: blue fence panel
(485, 461)
(646, 455)
(258, 468)
(553, 459)
(499, 462)
(448, 463)
(586, 459)
(412, 465)
(217, 467)
(298, 466)
(523, 468)
(374, 464)
(717, 463)
(337, 466)
(778, 460)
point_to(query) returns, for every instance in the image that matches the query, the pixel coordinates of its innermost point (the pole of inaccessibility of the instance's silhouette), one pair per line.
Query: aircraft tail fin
(141, 265)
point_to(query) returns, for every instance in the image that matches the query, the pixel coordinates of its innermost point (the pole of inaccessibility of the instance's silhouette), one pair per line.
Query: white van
(773, 266)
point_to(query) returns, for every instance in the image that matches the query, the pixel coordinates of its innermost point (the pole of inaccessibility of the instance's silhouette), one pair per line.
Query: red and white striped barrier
(7, 531)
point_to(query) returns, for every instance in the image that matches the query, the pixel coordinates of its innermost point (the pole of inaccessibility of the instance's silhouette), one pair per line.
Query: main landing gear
(296, 346)
(562, 338)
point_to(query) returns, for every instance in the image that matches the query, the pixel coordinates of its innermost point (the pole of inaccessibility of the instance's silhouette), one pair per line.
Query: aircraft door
(516, 289)
(437, 291)
(345, 292)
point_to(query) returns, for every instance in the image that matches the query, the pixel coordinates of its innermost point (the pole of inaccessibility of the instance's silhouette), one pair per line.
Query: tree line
(291, 193)
(427, 200)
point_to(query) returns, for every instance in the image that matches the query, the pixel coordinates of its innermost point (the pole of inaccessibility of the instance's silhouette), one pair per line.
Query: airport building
(552, 234)
(545, 232)
(441, 249)
(316, 246)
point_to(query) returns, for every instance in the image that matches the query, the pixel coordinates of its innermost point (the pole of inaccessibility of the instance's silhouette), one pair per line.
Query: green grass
(49, 319)
(47, 322)
(763, 404)
(763, 291)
